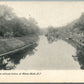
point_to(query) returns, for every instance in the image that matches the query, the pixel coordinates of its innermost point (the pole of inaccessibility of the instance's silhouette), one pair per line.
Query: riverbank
(76, 40)
(13, 44)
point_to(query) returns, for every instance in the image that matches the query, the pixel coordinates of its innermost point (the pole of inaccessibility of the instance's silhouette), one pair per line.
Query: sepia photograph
(41, 35)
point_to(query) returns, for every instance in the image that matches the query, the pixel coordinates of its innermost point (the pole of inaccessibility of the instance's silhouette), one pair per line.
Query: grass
(28, 39)
(7, 45)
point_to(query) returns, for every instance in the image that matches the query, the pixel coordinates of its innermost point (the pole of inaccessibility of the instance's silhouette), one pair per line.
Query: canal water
(49, 56)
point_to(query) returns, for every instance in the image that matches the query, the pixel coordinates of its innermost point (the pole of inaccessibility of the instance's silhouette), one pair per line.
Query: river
(56, 55)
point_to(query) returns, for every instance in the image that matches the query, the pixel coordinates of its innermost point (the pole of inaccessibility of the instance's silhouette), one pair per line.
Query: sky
(48, 13)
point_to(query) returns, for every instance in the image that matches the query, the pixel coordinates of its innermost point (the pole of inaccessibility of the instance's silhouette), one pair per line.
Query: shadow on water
(10, 61)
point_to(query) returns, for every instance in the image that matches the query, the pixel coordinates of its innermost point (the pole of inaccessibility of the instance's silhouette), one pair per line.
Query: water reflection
(50, 39)
(10, 61)
(51, 56)
(79, 57)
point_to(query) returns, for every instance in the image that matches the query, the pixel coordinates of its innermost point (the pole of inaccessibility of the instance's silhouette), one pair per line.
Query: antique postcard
(41, 41)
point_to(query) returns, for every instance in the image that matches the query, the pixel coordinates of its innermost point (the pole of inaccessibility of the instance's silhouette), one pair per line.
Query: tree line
(13, 26)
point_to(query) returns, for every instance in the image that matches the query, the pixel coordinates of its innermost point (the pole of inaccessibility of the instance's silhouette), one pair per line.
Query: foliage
(9, 22)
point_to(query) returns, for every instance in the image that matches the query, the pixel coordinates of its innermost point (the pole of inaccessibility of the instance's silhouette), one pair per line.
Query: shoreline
(13, 45)
(16, 50)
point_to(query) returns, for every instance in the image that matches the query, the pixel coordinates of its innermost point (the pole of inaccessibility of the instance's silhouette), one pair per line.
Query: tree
(6, 12)
(9, 22)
